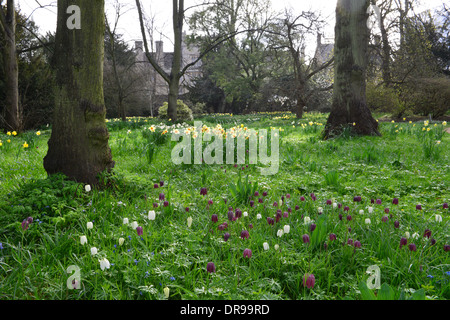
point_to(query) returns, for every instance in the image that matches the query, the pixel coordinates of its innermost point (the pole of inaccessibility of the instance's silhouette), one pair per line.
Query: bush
(382, 99)
(428, 96)
(183, 111)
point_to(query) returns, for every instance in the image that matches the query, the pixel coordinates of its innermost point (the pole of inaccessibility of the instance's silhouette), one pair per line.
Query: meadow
(157, 230)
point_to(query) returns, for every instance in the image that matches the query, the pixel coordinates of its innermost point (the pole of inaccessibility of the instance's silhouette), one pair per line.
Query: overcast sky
(45, 17)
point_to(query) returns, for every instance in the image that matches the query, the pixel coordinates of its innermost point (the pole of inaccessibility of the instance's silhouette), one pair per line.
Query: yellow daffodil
(38, 133)
(152, 129)
(9, 140)
(444, 123)
(25, 145)
(8, 133)
(428, 129)
(14, 133)
(1, 143)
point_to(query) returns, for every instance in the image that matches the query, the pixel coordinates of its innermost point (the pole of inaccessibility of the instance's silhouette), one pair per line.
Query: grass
(407, 163)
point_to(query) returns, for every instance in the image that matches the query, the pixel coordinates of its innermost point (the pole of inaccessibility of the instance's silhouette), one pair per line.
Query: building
(158, 86)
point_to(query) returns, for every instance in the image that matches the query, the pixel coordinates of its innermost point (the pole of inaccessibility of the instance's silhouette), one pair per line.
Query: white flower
(166, 292)
(104, 264)
(281, 202)
(280, 232)
(407, 235)
(307, 220)
(121, 240)
(266, 246)
(189, 222)
(361, 211)
(320, 209)
(89, 225)
(125, 221)
(367, 221)
(258, 216)
(151, 215)
(87, 188)
(335, 205)
(94, 251)
(286, 229)
(245, 213)
(415, 235)
(83, 240)
(134, 224)
(276, 247)
(438, 218)
(370, 209)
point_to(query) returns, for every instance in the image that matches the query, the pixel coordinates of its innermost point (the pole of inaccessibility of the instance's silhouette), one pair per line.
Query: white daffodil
(104, 264)
(335, 205)
(367, 221)
(151, 215)
(438, 218)
(361, 212)
(89, 225)
(125, 221)
(134, 225)
(266, 246)
(258, 216)
(83, 240)
(286, 229)
(415, 235)
(87, 188)
(407, 235)
(370, 209)
(189, 222)
(121, 241)
(280, 232)
(94, 251)
(245, 213)
(307, 220)
(276, 247)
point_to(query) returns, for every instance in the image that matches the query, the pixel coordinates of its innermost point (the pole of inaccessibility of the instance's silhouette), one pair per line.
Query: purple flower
(166, 203)
(403, 242)
(349, 218)
(297, 208)
(350, 241)
(210, 202)
(285, 214)
(30, 220)
(238, 213)
(386, 210)
(288, 196)
(357, 199)
(187, 209)
(412, 247)
(210, 267)
(378, 201)
(156, 186)
(244, 234)
(328, 202)
(214, 218)
(260, 200)
(346, 208)
(161, 183)
(357, 244)
(309, 280)
(265, 194)
(25, 224)
(433, 242)
(275, 204)
(340, 216)
(270, 221)
(221, 227)
(395, 201)
(427, 233)
(155, 205)
(332, 237)
(305, 238)
(446, 247)
(226, 236)
(252, 203)
(161, 196)
(230, 215)
(302, 198)
(140, 231)
(396, 224)
(372, 201)
(203, 191)
(445, 206)
(247, 253)
(418, 207)
(256, 194)
(312, 227)
(384, 219)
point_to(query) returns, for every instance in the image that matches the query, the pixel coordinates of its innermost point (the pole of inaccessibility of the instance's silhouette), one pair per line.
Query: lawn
(159, 230)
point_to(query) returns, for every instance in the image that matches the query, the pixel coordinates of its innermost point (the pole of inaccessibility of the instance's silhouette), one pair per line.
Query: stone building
(158, 88)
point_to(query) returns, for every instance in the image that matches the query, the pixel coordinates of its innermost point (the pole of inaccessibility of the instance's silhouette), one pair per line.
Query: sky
(45, 17)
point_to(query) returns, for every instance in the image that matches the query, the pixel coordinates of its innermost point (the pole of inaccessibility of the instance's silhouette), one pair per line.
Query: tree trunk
(386, 55)
(12, 115)
(78, 146)
(349, 106)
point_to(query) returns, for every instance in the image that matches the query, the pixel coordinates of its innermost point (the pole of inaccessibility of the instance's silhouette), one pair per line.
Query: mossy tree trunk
(349, 106)
(78, 146)
(8, 28)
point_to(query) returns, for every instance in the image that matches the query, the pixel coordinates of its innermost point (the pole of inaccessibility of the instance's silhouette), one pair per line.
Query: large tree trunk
(349, 106)
(12, 112)
(78, 146)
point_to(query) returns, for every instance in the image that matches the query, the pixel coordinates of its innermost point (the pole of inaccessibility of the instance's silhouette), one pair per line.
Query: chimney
(138, 46)
(159, 47)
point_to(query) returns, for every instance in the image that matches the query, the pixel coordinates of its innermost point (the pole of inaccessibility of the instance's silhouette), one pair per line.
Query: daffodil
(104, 264)
(8, 133)
(14, 133)
(38, 133)
(25, 145)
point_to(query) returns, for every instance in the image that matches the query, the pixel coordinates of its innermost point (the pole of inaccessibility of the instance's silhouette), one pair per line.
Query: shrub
(428, 96)
(382, 99)
(183, 111)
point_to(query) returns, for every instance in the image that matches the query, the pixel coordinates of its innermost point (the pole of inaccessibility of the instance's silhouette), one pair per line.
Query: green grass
(405, 163)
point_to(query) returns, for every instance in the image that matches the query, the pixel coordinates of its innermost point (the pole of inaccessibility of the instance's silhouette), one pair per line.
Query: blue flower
(430, 276)
(172, 278)
(1, 246)
(448, 273)
(136, 261)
